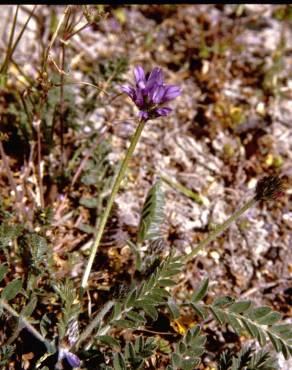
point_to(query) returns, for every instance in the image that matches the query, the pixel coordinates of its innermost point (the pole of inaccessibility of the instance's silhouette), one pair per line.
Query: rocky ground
(230, 127)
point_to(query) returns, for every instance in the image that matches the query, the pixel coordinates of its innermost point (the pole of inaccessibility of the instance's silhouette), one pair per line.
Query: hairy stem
(23, 321)
(219, 229)
(110, 202)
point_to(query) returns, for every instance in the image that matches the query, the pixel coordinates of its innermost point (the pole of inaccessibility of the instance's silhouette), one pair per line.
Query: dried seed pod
(269, 187)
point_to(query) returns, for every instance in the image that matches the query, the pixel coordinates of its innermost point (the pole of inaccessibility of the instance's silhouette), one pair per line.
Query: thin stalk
(4, 65)
(21, 32)
(47, 52)
(220, 229)
(77, 31)
(110, 202)
(10, 52)
(184, 190)
(62, 106)
(83, 83)
(23, 321)
(39, 156)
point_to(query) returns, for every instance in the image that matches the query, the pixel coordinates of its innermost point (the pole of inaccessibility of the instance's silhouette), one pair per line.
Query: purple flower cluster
(150, 93)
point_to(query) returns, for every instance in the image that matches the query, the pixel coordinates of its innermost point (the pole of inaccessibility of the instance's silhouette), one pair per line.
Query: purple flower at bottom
(150, 93)
(72, 359)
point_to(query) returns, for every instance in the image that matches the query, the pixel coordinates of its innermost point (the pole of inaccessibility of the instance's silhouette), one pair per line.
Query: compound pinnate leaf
(152, 214)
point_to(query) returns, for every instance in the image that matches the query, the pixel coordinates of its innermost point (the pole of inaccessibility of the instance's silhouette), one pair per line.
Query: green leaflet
(106, 339)
(283, 330)
(270, 319)
(151, 311)
(3, 271)
(173, 308)
(136, 317)
(8, 233)
(200, 293)
(240, 306)
(119, 362)
(200, 310)
(30, 307)
(12, 289)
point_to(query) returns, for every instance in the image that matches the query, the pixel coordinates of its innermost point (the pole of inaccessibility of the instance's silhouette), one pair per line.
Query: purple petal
(140, 76)
(171, 92)
(150, 88)
(158, 94)
(72, 359)
(156, 75)
(155, 79)
(138, 98)
(130, 91)
(163, 111)
(143, 115)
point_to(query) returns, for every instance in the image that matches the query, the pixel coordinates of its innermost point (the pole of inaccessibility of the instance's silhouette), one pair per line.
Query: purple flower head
(150, 93)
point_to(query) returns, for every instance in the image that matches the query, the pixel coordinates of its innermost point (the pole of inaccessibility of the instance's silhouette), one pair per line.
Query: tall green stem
(219, 229)
(110, 202)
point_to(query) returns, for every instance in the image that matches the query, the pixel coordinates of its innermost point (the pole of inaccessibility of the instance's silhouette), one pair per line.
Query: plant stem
(47, 51)
(114, 192)
(28, 326)
(3, 68)
(11, 48)
(77, 31)
(21, 33)
(40, 172)
(183, 189)
(62, 106)
(219, 229)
